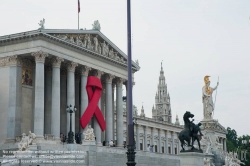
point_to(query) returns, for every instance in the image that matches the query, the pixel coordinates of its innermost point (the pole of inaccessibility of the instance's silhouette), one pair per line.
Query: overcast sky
(193, 38)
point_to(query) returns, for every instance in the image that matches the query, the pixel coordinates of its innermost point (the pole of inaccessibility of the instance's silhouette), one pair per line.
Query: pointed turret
(177, 120)
(162, 100)
(142, 112)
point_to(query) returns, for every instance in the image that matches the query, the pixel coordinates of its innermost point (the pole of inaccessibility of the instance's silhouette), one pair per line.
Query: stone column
(15, 97)
(63, 101)
(47, 99)
(55, 105)
(152, 138)
(172, 137)
(119, 112)
(159, 135)
(39, 94)
(84, 96)
(97, 129)
(113, 111)
(145, 138)
(225, 144)
(137, 137)
(166, 144)
(108, 110)
(77, 101)
(71, 93)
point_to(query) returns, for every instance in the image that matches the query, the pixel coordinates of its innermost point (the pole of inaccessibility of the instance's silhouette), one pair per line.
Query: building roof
(54, 34)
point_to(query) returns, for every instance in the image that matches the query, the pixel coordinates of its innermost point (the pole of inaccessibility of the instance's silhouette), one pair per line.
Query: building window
(155, 148)
(141, 144)
(162, 149)
(169, 150)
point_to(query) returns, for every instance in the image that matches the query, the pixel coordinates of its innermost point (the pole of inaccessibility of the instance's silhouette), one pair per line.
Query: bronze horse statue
(190, 132)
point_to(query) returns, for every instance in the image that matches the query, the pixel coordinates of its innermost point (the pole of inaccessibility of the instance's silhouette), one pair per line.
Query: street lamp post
(131, 148)
(71, 110)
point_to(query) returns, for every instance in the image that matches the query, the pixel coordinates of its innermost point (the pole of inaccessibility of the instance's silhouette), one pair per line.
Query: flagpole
(78, 12)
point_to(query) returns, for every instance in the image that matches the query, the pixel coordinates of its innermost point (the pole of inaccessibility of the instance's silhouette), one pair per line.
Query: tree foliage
(234, 144)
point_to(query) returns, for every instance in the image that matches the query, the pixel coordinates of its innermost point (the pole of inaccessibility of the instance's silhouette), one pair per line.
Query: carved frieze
(156, 137)
(169, 140)
(163, 138)
(149, 136)
(14, 61)
(92, 43)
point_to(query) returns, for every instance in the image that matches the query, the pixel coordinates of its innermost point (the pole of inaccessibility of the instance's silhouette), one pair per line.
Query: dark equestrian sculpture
(190, 133)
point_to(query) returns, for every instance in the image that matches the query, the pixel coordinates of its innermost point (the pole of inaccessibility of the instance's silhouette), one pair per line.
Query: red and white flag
(78, 6)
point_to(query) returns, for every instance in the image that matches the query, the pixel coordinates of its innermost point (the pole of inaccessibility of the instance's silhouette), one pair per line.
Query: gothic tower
(162, 109)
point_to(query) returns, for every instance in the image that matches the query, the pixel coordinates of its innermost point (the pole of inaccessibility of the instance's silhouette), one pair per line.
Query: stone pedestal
(191, 159)
(87, 143)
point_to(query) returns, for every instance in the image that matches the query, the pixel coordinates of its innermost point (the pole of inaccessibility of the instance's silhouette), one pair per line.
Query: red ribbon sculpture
(93, 109)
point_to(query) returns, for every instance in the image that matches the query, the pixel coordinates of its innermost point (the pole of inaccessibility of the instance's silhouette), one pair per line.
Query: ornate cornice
(56, 62)
(14, 61)
(213, 125)
(40, 56)
(85, 70)
(71, 66)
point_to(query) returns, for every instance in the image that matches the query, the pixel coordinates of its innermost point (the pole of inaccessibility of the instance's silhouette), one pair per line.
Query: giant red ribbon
(93, 109)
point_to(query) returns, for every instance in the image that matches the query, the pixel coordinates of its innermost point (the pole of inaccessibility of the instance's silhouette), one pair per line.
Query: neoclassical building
(44, 71)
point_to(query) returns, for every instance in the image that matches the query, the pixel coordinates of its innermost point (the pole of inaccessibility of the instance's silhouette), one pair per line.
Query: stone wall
(106, 156)
(4, 102)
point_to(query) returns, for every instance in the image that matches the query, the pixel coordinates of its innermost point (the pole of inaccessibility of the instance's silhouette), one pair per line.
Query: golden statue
(207, 98)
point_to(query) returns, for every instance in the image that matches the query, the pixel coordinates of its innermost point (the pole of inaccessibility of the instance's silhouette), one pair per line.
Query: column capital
(109, 78)
(85, 70)
(119, 81)
(71, 66)
(40, 56)
(14, 61)
(99, 73)
(56, 62)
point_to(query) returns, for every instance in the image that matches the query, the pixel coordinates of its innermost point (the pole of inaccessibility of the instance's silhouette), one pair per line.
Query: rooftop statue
(96, 25)
(42, 22)
(207, 99)
(190, 133)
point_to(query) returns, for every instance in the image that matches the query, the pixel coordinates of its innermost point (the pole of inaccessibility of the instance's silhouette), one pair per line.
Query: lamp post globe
(71, 110)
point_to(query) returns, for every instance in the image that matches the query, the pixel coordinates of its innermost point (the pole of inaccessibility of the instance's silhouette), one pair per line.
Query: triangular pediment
(92, 41)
